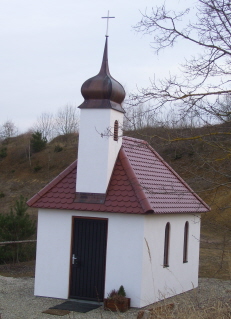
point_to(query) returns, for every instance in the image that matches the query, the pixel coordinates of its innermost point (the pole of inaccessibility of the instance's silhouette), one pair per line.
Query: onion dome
(103, 91)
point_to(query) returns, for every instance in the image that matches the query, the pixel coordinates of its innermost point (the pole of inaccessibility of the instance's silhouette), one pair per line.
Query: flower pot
(114, 305)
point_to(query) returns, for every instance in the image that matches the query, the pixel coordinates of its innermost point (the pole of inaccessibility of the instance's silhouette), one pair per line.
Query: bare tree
(225, 108)
(140, 116)
(202, 90)
(8, 129)
(45, 125)
(67, 120)
(205, 77)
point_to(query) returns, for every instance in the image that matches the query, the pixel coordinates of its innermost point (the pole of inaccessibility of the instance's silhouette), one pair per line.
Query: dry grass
(196, 304)
(18, 176)
(214, 263)
(219, 310)
(22, 269)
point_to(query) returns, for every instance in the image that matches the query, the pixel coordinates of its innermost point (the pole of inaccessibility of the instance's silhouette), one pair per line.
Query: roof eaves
(144, 202)
(54, 182)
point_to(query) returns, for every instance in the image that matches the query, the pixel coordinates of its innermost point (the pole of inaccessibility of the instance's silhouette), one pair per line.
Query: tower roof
(102, 90)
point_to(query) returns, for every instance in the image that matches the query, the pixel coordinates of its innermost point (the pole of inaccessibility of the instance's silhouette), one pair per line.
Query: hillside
(203, 161)
(24, 175)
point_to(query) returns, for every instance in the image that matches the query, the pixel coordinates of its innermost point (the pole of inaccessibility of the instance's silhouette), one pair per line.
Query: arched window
(185, 248)
(166, 245)
(116, 130)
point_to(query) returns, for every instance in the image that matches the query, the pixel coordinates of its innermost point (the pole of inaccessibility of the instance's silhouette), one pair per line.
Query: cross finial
(107, 21)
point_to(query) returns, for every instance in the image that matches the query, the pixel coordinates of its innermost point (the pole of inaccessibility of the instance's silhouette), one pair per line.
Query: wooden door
(88, 258)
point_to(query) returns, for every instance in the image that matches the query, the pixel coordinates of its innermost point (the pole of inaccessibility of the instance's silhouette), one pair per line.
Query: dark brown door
(88, 259)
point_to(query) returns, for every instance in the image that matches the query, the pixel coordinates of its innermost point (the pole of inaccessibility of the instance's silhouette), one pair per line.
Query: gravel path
(18, 302)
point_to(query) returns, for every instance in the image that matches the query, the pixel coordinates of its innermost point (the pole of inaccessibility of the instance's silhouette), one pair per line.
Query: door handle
(73, 259)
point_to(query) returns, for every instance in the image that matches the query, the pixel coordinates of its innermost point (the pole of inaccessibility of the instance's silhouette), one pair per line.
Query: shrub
(38, 143)
(2, 195)
(118, 296)
(58, 148)
(3, 152)
(14, 226)
(121, 291)
(37, 168)
(112, 293)
(178, 156)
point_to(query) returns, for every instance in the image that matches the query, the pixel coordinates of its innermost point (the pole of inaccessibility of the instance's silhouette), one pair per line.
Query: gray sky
(50, 47)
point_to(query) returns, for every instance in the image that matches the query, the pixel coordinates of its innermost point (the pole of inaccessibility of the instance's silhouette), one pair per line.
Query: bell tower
(100, 133)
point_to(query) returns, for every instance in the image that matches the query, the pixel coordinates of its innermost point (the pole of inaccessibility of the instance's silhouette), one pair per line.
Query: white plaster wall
(96, 153)
(114, 146)
(128, 261)
(159, 282)
(124, 253)
(53, 254)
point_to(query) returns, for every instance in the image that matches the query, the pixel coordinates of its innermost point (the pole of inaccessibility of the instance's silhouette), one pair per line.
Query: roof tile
(142, 182)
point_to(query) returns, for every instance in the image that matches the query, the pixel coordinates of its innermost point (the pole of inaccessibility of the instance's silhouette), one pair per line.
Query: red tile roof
(164, 189)
(141, 182)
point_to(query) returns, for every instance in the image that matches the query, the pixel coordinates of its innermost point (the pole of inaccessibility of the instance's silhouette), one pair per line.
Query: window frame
(166, 245)
(185, 246)
(116, 131)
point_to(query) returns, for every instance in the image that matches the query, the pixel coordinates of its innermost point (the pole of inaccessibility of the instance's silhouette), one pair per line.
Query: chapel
(118, 215)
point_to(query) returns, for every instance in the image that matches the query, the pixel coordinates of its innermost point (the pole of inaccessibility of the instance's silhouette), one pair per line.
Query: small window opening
(166, 245)
(116, 130)
(185, 248)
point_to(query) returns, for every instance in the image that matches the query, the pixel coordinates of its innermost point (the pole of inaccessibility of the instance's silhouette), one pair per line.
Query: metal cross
(107, 22)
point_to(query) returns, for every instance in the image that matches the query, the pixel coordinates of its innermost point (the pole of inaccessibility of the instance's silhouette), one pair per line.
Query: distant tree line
(66, 121)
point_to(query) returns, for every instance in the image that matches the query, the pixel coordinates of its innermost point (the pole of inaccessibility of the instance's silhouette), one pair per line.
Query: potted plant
(117, 300)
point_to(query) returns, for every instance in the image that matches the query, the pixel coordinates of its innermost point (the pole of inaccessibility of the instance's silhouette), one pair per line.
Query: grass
(18, 270)
(214, 263)
(218, 310)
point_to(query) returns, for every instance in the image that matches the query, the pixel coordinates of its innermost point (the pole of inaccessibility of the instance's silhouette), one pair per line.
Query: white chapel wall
(179, 276)
(128, 261)
(124, 253)
(53, 254)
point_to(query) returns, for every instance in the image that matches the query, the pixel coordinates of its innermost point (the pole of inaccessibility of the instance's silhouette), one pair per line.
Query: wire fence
(3, 243)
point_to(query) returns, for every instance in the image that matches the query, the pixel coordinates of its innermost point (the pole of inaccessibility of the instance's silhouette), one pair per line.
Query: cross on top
(107, 22)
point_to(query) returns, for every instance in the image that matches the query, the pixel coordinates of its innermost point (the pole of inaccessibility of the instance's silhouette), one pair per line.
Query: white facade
(135, 248)
(160, 282)
(97, 151)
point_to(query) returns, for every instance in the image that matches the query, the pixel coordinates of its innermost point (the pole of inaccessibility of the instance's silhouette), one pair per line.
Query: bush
(3, 152)
(121, 291)
(2, 195)
(38, 143)
(15, 226)
(37, 168)
(25, 251)
(58, 148)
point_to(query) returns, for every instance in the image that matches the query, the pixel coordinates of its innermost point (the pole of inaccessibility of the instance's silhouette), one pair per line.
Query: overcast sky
(50, 47)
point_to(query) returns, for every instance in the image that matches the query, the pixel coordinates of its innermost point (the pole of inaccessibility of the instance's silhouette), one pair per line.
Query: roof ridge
(178, 176)
(52, 183)
(137, 140)
(140, 194)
